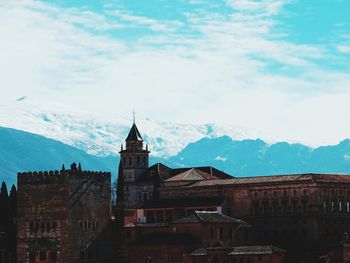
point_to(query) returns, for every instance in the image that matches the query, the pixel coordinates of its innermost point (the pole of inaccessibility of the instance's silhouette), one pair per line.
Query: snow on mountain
(103, 135)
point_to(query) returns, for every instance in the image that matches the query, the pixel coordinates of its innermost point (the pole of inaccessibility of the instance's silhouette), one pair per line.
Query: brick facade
(62, 215)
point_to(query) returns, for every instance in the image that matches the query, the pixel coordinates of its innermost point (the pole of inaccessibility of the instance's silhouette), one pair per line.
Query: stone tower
(135, 162)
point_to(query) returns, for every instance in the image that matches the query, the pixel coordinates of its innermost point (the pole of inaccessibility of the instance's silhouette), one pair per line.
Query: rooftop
(134, 134)
(192, 174)
(209, 217)
(256, 250)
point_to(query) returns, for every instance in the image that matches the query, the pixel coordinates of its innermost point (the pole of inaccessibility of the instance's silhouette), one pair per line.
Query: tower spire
(133, 116)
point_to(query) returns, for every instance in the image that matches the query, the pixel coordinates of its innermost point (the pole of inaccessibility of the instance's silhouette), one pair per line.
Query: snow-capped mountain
(102, 135)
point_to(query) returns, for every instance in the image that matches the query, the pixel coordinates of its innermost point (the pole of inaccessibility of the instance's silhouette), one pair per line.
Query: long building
(306, 214)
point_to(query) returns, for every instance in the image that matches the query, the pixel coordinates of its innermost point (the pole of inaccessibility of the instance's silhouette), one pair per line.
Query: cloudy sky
(278, 66)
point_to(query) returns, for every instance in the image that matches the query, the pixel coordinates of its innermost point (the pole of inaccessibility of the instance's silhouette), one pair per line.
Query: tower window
(130, 160)
(144, 160)
(138, 160)
(42, 255)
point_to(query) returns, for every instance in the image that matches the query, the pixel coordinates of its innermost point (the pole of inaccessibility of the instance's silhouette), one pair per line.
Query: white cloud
(344, 49)
(219, 72)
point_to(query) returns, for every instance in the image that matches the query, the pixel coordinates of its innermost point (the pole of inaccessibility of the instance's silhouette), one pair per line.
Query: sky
(278, 66)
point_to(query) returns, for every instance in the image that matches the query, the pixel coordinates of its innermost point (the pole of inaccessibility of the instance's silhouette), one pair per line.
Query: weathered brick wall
(42, 216)
(89, 213)
(62, 216)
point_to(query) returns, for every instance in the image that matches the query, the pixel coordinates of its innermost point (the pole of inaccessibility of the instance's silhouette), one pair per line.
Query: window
(32, 256)
(211, 234)
(31, 227)
(124, 160)
(347, 207)
(42, 227)
(54, 225)
(128, 234)
(48, 227)
(144, 160)
(42, 255)
(53, 256)
(221, 233)
(340, 207)
(332, 206)
(138, 160)
(130, 160)
(324, 206)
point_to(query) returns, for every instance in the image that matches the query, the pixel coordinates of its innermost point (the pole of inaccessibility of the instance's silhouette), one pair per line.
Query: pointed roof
(210, 217)
(134, 134)
(192, 175)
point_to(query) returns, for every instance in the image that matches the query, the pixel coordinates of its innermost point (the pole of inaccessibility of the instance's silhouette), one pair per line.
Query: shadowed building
(306, 214)
(63, 216)
(7, 224)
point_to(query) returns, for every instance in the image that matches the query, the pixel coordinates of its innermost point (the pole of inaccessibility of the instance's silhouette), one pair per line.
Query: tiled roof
(166, 238)
(192, 175)
(136, 224)
(199, 252)
(278, 179)
(243, 250)
(184, 202)
(209, 217)
(207, 169)
(256, 250)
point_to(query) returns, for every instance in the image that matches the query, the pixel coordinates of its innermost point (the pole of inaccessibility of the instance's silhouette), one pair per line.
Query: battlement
(62, 176)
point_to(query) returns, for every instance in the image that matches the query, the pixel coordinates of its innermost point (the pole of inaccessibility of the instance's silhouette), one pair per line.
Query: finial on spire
(133, 116)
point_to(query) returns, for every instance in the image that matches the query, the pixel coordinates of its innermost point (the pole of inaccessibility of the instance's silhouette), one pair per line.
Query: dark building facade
(62, 216)
(7, 224)
(306, 214)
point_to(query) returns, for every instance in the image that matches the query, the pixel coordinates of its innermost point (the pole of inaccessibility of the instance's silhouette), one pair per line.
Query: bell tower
(135, 161)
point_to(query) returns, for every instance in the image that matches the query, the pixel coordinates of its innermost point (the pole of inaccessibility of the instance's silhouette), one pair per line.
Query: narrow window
(347, 207)
(31, 256)
(53, 256)
(138, 160)
(130, 160)
(211, 234)
(324, 206)
(42, 255)
(332, 206)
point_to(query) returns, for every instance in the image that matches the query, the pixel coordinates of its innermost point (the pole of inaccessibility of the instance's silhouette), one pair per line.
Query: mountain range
(24, 151)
